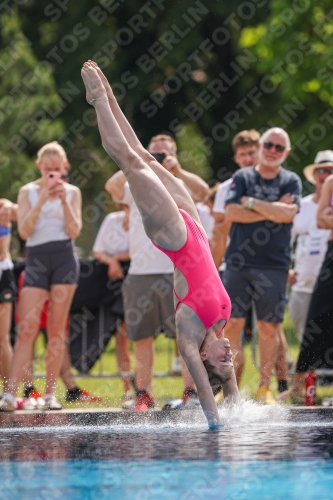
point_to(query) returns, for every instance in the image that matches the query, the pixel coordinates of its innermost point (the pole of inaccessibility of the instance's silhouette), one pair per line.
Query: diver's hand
(214, 424)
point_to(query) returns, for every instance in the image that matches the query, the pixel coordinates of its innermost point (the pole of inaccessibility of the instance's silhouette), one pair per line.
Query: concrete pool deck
(113, 416)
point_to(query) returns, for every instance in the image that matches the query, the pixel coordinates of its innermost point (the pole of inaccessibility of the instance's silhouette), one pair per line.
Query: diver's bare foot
(104, 80)
(94, 86)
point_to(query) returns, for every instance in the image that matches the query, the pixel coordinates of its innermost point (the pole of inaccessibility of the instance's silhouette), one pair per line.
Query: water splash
(244, 412)
(249, 412)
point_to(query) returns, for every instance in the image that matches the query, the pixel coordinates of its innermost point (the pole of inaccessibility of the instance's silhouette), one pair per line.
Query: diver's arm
(191, 356)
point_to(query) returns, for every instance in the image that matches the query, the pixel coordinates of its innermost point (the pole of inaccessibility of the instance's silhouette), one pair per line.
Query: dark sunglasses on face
(324, 171)
(278, 147)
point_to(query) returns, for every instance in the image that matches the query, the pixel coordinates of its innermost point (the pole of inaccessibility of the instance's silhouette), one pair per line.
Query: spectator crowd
(272, 247)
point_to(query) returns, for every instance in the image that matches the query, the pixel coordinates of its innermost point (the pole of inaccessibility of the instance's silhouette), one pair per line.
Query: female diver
(172, 223)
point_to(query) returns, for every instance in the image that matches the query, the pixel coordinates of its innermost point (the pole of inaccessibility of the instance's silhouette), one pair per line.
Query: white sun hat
(323, 159)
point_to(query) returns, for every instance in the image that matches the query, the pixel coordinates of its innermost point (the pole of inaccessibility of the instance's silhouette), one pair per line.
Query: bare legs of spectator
(144, 357)
(268, 348)
(31, 305)
(60, 301)
(297, 390)
(66, 371)
(269, 341)
(281, 365)
(6, 351)
(123, 357)
(187, 379)
(232, 331)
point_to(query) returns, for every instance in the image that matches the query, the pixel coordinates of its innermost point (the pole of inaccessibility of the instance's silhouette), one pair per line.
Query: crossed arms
(282, 211)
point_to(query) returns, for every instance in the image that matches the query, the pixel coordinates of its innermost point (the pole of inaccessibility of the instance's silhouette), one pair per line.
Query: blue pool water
(262, 453)
(168, 479)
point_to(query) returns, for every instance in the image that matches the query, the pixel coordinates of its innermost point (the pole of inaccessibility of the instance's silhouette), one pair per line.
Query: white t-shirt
(206, 218)
(50, 225)
(311, 245)
(112, 238)
(219, 206)
(145, 257)
(220, 197)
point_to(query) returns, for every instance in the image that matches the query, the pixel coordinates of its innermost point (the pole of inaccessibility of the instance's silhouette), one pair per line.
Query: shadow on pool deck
(116, 416)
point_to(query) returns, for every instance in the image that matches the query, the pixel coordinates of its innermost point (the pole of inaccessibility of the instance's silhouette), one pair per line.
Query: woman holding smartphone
(49, 219)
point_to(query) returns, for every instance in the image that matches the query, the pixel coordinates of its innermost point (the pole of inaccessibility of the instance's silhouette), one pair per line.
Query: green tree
(27, 105)
(161, 58)
(294, 50)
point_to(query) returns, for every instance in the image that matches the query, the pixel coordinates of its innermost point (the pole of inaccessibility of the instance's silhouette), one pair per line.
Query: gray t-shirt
(263, 244)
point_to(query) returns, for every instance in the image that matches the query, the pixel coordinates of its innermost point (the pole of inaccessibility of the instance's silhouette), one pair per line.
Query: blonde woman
(49, 219)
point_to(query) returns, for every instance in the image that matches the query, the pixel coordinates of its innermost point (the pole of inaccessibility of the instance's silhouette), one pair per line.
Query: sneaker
(31, 392)
(143, 401)
(8, 403)
(219, 398)
(51, 403)
(327, 402)
(174, 404)
(264, 396)
(86, 396)
(28, 404)
(41, 404)
(128, 395)
(82, 395)
(129, 404)
(177, 365)
(190, 398)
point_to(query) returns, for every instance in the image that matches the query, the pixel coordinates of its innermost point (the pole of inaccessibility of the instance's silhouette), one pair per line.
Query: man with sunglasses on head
(311, 243)
(261, 204)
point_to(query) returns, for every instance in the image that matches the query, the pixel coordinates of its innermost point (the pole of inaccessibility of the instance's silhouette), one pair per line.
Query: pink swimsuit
(206, 294)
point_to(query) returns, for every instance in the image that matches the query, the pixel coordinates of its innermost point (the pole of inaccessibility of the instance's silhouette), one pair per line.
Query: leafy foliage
(27, 91)
(200, 70)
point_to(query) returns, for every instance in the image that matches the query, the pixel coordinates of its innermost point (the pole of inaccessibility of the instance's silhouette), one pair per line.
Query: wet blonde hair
(52, 148)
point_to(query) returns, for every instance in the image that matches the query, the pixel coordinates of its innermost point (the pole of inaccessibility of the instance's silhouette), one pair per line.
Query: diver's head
(217, 357)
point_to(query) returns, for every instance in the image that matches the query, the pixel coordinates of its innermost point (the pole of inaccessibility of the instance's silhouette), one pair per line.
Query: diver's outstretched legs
(160, 215)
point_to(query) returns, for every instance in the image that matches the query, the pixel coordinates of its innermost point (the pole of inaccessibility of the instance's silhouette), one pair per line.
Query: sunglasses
(324, 171)
(278, 147)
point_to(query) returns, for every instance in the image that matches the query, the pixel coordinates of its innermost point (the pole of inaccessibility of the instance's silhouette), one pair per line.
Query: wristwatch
(249, 203)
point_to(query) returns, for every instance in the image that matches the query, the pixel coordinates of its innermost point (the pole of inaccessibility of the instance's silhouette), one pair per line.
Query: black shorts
(53, 263)
(265, 288)
(8, 290)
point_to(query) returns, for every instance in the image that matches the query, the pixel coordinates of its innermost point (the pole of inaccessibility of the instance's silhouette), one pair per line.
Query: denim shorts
(265, 288)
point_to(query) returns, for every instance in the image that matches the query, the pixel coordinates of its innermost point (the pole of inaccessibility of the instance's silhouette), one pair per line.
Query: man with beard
(261, 204)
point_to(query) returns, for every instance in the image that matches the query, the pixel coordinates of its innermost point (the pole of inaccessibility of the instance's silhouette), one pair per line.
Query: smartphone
(52, 178)
(158, 157)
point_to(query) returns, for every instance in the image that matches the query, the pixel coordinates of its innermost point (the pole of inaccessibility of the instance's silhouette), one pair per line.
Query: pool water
(262, 453)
